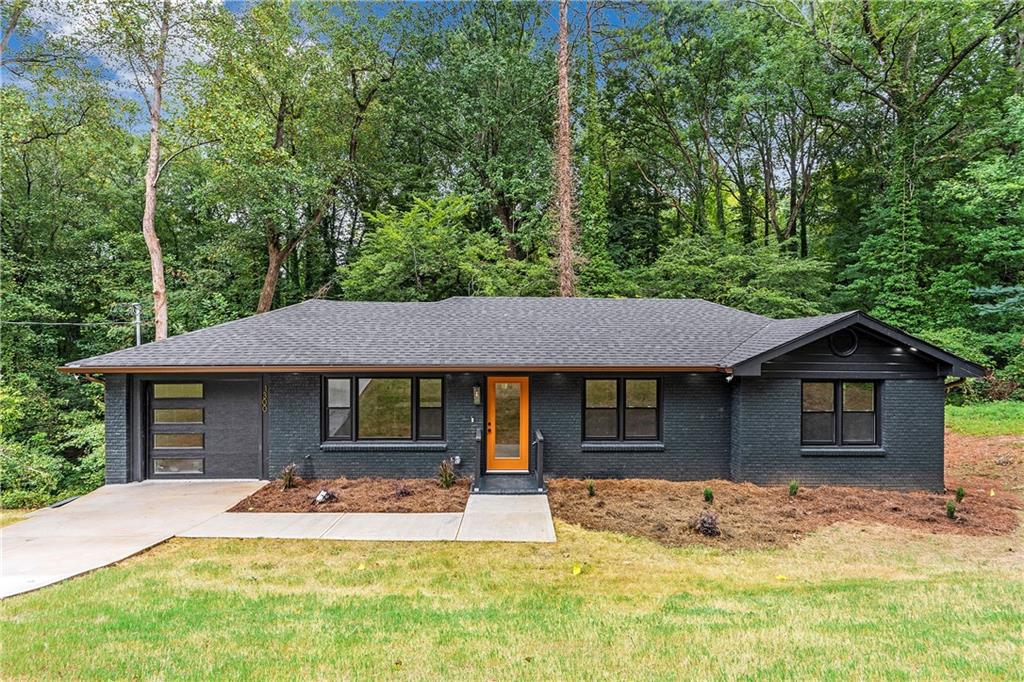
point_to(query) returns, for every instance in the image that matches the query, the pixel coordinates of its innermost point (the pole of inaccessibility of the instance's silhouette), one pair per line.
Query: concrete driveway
(105, 526)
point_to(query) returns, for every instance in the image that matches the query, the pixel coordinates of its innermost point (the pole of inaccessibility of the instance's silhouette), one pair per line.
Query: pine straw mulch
(752, 516)
(359, 495)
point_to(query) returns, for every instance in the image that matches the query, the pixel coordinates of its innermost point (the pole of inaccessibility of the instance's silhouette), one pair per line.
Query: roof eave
(278, 369)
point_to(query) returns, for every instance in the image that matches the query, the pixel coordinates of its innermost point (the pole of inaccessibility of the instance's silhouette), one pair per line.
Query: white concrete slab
(105, 526)
(398, 526)
(264, 525)
(507, 518)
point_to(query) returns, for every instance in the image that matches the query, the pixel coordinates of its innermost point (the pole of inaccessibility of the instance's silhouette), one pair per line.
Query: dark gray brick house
(512, 387)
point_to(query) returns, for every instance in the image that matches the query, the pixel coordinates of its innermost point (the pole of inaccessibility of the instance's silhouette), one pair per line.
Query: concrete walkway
(105, 526)
(117, 521)
(507, 518)
(488, 518)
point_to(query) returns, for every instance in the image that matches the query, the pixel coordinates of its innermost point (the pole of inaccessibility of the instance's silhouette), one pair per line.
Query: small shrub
(960, 494)
(289, 475)
(707, 524)
(951, 509)
(591, 490)
(446, 473)
(709, 495)
(794, 488)
(402, 490)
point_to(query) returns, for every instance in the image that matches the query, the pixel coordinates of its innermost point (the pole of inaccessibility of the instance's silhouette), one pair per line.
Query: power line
(68, 324)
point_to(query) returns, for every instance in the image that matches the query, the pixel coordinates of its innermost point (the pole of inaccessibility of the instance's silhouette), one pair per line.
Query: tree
(428, 253)
(474, 115)
(563, 164)
(291, 92)
(145, 39)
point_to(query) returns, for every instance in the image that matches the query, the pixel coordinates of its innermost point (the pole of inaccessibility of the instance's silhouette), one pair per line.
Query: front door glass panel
(506, 420)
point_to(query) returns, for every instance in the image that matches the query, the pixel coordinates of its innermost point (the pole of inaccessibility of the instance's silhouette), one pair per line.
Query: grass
(1005, 417)
(9, 516)
(851, 601)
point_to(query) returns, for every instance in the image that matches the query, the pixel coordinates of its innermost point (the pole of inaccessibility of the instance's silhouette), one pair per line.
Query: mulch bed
(762, 516)
(759, 516)
(359, 495)
(991, 470)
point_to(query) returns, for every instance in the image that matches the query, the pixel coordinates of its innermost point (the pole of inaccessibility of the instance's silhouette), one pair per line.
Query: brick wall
(766, 438)
(115, 403)
(695, 431)
(294, 421)
(748, 430)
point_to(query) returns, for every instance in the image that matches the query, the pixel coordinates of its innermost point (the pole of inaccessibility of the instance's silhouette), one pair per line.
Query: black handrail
(539, 442)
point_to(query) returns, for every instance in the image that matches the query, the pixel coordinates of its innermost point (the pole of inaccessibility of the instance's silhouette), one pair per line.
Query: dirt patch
(359, 495)
(986, 463)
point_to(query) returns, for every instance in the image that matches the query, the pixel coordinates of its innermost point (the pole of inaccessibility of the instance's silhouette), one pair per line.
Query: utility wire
(69, 324)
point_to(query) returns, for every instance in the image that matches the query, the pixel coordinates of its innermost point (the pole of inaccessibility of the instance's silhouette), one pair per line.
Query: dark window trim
(353, 437)
(620, 410)
(837, 415)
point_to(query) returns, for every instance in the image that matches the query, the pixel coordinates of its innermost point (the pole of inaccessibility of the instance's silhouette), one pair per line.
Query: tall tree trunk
(746, 205)
(156, 256)
(563, 163)
(277, 254)
(803, 232)
(275, 259)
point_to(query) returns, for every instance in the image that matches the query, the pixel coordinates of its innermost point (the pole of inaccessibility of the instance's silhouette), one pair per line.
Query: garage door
(204, 429)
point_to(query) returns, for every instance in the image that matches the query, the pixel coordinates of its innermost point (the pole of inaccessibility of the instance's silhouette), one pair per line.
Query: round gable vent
(843, 342)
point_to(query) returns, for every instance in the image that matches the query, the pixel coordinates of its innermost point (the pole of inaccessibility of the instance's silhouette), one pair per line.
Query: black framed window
(383, 408)
(430, 409)
(621, 409)
(601, 409)
(839, 413)
(339, 408)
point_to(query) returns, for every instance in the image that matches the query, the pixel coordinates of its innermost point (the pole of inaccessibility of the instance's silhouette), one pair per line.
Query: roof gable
(784, 336)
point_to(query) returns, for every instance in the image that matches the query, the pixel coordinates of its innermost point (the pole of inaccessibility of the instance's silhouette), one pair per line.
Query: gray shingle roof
(774, 333)
(469, 332)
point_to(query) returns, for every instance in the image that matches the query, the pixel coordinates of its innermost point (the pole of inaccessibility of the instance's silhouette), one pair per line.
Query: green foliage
(759, 279)
(591, 489)
(47, 450)
(794, 488)
(950, 509)
(960, 494)
(709, 495)
(428, 253)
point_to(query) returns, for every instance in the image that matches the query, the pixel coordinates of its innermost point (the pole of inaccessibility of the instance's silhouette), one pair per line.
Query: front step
(507, 484)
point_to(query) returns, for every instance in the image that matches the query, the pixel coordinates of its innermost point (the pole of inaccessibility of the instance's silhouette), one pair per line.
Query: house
(661, 388)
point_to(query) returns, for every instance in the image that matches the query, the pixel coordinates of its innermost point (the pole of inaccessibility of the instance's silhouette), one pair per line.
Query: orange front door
(508, 424)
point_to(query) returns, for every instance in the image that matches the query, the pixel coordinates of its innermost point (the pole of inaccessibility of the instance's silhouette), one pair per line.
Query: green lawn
(987, 419)
(847, 602)
(9, 516)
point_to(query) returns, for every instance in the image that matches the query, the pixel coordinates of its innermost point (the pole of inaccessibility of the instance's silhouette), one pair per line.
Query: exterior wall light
(476, 394)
